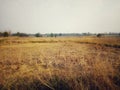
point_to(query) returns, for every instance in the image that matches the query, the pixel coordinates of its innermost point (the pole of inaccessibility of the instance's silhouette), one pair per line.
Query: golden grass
(87, 39)
(59, 63)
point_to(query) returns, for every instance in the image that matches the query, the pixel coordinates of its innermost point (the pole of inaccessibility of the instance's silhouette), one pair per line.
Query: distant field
(61, 63)
(107, 41)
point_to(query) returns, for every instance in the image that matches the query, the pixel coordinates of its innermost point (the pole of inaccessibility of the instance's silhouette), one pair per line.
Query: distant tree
(23, 35)
(55, 35)
(99, 35)
(51, 35)
(60, 34)
(38, 35)
(5, 34)
(1, 34)
(84, 34)
(18, 34)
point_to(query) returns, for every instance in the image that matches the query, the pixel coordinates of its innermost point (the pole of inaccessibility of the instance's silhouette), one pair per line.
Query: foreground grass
(59, 64)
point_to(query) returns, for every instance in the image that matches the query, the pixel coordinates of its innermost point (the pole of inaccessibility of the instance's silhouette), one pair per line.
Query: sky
(60, 16)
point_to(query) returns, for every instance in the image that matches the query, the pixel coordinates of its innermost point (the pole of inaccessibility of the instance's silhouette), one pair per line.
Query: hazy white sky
(60, 16)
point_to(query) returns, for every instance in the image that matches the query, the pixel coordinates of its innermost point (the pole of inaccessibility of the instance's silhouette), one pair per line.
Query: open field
(62, 63)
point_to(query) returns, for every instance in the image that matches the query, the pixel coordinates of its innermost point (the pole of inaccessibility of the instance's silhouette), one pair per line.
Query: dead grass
(59, 64)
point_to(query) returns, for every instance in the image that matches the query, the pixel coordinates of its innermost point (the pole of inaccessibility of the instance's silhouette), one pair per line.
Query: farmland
(61, 63)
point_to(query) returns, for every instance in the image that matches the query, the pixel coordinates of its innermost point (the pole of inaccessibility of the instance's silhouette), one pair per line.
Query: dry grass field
(61, 63)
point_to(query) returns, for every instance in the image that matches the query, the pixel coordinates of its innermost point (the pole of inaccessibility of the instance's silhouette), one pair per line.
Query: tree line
(4, 34)
(8, 33)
